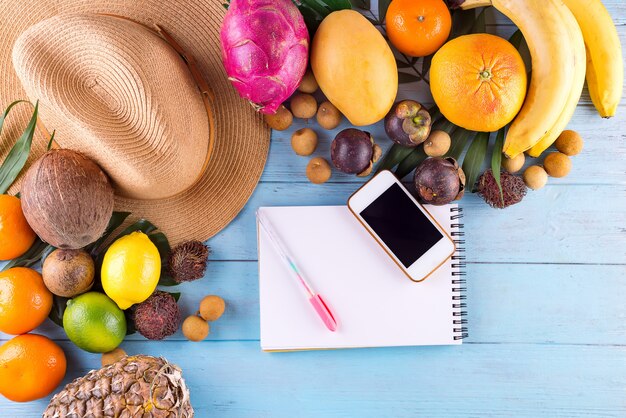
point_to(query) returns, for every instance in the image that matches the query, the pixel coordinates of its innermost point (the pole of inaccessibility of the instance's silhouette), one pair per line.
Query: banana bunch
(568, 41)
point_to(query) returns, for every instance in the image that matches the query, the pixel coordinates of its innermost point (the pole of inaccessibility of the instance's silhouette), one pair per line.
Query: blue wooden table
(546, 298)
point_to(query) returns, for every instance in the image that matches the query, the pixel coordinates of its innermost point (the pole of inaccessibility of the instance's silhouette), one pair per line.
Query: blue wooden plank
(547, 307)
(557, 224)
(236, 379)
(507, 303)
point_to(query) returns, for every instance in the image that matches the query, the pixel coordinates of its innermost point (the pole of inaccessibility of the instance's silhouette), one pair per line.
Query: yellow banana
(553, 58)
(605, 66)
(578, 45)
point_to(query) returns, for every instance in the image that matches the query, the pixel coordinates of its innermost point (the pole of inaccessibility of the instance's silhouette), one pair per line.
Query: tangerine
(31, 367)
(478, 81)
(418, 28)
(25, 301)
(16, 236)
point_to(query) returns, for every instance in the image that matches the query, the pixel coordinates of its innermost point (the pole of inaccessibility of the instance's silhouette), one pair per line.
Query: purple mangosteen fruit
(408, 123)
(439, 181)
(354, 152)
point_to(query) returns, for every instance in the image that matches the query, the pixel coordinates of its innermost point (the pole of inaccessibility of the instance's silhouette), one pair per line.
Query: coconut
(67, 199)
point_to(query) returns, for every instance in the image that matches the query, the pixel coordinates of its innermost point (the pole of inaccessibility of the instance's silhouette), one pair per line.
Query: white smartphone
(401, 225)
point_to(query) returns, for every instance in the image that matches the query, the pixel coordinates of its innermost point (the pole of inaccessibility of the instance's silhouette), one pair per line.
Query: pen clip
(322, 310)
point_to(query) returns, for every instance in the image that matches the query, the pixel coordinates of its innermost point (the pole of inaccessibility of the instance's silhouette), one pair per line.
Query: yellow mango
(354, 67)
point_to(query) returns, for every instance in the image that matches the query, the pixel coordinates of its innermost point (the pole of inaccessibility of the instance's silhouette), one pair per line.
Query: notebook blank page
(374, 303)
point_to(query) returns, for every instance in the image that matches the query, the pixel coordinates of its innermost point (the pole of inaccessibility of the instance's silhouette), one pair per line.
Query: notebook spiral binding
(458, 277)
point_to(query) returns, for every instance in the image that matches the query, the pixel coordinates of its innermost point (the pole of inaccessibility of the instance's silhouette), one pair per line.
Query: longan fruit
(569, 143)
(318, 170)
(304, 141)
(112, 356)
(535, 177)
(437, 144)
(513, 165)
(212, 307)
(308, 83)
(303, 105)
(195, 328)
(280, 120)
(557, 164)
(328, 116)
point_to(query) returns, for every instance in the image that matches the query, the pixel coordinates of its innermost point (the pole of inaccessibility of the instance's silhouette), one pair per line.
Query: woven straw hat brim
(241, 138)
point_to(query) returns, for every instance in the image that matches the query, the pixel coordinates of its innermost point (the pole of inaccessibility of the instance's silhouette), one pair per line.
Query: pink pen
(316, 300)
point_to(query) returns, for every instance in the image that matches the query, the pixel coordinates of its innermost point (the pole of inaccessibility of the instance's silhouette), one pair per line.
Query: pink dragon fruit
(265, 48)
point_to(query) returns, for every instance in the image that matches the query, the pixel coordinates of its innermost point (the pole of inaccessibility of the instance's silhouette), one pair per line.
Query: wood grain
(236, 379)
(515, 303)
(558, 224)
(546, 283)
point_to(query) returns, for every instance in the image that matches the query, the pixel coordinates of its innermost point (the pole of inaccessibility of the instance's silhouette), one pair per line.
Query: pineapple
(135, 386)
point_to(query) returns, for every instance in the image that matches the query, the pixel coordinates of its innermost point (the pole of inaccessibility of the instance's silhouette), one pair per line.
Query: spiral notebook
(374, 303)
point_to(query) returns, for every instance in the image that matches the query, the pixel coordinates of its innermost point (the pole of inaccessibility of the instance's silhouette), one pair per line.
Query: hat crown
(117, 92)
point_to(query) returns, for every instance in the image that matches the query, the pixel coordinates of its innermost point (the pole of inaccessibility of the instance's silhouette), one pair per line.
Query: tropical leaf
(383, 5)
(130, 322)
(516, 39)
(58, 309)
(474, 159)
(142, 225)
(15, 160)
(373, 21)
(394, 156)
(445, 125)
(411, 161)
(462, 22)
(402, 64)
(361, 4)
(426, 62)
(51, 141)
(176, 295)
(160, 241)
(30, 257)
(496, 160)
(459, 138)
(46, 252)
(480, 25)
(435, 113)
(404, 78)
(117, 219)
(314, 11)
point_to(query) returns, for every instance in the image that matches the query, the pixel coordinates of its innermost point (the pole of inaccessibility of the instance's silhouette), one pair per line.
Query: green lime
(94, 323)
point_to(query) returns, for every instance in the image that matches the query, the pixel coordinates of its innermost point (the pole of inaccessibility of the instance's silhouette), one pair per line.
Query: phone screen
(401, 225)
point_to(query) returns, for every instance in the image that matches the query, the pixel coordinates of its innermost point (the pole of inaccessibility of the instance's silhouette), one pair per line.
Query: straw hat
(180, 146)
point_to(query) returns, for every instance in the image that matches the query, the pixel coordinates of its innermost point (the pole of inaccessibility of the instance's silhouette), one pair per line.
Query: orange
(478, 81)
(418, 27)
(16, 236)
(25, 302)
(31, 367)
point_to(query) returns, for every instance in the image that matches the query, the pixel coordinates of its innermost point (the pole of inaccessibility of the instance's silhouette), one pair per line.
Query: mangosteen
(354, 152)
(439, 181)
(408, 123)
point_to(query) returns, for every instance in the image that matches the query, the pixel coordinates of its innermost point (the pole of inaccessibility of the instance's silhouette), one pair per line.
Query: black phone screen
(401, 225)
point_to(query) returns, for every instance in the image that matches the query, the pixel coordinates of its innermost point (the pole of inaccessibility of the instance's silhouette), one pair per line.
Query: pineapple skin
(135, 386)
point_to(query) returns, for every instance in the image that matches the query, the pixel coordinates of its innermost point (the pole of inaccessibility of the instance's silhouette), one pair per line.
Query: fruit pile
(479, 83)
(98, 292)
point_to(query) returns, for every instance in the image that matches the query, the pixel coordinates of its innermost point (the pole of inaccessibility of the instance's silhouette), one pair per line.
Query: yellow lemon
(131, 269)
